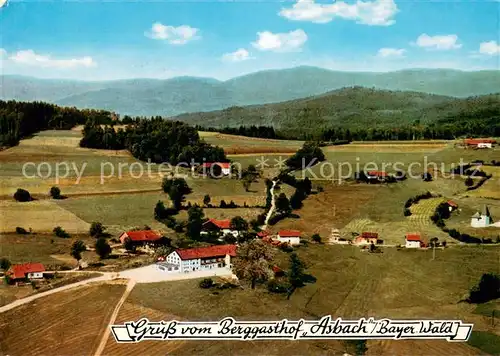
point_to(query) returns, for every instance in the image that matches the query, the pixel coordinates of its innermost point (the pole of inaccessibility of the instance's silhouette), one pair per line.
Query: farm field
(354, 208)
(9, 294)
(51, 150)
(44, 248)
(491, 188)
(332, 208)
(40, 215)
(126, 211)
(233, 144)
(407, 285)
(69, 322)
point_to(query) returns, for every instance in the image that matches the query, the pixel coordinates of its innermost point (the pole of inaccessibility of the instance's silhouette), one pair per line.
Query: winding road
(273, 205)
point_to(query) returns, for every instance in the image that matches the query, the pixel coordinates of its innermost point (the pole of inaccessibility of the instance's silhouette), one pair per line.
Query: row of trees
(485, 123)
(156, 139)
(21, 119)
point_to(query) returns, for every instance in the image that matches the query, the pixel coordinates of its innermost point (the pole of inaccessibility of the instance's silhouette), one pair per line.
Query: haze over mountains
(170, 97)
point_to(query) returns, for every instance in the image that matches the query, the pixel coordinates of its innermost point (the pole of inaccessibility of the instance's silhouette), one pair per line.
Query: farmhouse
(335, 238)
(216, 169)
(141, 237)
(195, 259)
(379, 176)
(367, 238)
(479, 143)
(291, 237)
(221, 227)
(452, 205)
(26, 271)
(413, 241)
(481, 219)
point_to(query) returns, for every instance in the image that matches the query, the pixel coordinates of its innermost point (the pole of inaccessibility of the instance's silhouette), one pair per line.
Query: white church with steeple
(481, 219)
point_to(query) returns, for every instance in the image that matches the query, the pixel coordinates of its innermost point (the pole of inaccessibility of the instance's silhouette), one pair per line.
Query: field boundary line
(105, 336)
(89, 194)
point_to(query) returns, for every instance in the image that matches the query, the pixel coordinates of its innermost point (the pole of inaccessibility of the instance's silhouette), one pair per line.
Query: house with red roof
(220, 227)
(215, 169)
(479, 142)
(414, 240)
(26, 271)
(380, 176)
(141, 237)
(200, 258)
(291, 237)
(452, 205)
(367, 238)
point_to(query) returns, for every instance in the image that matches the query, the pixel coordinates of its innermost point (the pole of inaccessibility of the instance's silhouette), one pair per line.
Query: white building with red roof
(367, 238)
(479, 142)
(380, 176)
(413, 241)
(216, 169)
(25, 271)
(221, 227)
(196, 259)
(141, 237)
(291, 237)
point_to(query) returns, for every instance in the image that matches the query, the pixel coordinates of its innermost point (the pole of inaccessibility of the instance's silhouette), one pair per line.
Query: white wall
(412, 244)
(35, 275)
(290, 240)
(235, 233)
(483, 221)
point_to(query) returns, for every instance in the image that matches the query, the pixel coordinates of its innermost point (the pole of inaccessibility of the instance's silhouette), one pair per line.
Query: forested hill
(174, 96)
(352, 108)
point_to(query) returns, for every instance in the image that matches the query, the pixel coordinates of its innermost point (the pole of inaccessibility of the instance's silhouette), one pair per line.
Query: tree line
(248, 131)
(156, 139)
(445, 129)
(21, 119)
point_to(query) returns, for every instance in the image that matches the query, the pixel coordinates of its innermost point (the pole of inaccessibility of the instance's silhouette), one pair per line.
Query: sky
(90, 40)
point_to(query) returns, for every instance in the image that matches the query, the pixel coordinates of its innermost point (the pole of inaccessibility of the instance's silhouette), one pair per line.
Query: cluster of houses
(205, 258)
(218, 256)
(412, 240)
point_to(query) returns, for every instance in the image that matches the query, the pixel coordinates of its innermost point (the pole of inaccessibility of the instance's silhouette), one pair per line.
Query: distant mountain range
(355, 107)
(170, 97)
